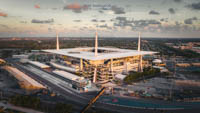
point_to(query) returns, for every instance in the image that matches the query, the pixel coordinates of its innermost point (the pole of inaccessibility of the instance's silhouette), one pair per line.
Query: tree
(135, 76)
(63, 108)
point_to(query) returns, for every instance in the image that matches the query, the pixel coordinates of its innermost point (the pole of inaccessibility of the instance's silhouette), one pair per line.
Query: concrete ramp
(24, 80)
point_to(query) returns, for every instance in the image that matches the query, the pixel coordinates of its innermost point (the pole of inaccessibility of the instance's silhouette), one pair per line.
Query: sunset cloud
(176, 17)
(75, 7)
(3, 14)
(37, 6)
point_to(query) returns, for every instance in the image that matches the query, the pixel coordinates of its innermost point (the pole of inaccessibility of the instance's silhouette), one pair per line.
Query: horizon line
(100, 37)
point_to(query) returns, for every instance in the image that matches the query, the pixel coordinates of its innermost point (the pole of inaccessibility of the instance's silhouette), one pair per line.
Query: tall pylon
(57, 42)
(140, 67)
(96, 43)
(139, 42)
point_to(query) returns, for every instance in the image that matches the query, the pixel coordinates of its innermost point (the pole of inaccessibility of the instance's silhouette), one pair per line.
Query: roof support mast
(57, 42)
(96, 53)
(140, 67)
(96, 44)
(139, 42)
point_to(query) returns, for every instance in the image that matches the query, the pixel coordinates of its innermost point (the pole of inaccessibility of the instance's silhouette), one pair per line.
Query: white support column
(125, 66)
(111, 66)
(95, 75)
(81, 64)
(141, 66)
(138, 64)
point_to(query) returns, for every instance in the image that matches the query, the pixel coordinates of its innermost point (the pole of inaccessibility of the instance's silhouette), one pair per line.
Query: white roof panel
(41, 65)
(67, 75)
(63, 67)
(86, 53)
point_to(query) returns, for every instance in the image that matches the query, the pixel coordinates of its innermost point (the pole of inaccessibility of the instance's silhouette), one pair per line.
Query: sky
(111, 18)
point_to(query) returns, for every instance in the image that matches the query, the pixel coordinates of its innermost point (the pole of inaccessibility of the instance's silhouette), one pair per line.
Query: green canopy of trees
(35, 103)
(135, 76)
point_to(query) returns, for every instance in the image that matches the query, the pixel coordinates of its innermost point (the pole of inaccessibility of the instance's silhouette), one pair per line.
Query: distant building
(22, 56)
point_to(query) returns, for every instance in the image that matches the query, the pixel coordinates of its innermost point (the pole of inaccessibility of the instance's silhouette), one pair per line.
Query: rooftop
(41, 65)
(103, 53)
(69, 76)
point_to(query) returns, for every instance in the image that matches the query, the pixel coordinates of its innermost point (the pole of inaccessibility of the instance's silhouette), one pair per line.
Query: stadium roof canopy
(103, 53)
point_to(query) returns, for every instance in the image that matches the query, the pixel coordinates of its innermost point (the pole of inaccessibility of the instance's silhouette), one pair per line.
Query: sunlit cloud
(119, 17)
(76, 7)
(37, 6)
(3, 14)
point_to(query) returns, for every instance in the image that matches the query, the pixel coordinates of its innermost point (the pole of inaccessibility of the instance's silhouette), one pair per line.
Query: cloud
(121, 18)
(50, 29)
(23, 22)
(37, 6)
(77, 20)
(106, 7)
(144, 23)
(171, 11)
(100, 11)
(177, 1)
(118, 10)
(164, 19)
(105, 26)
(190, 20)
(178, 28)
(3, 14)
(94, 20)
(111, 20)
(112, 8)
(134, 24)
(153, 25)
(75, 7)
(194, 6)
(123, 22)
(42, 21)
(54, 8)
(4, 26)
(102, 20)
(152, 12)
